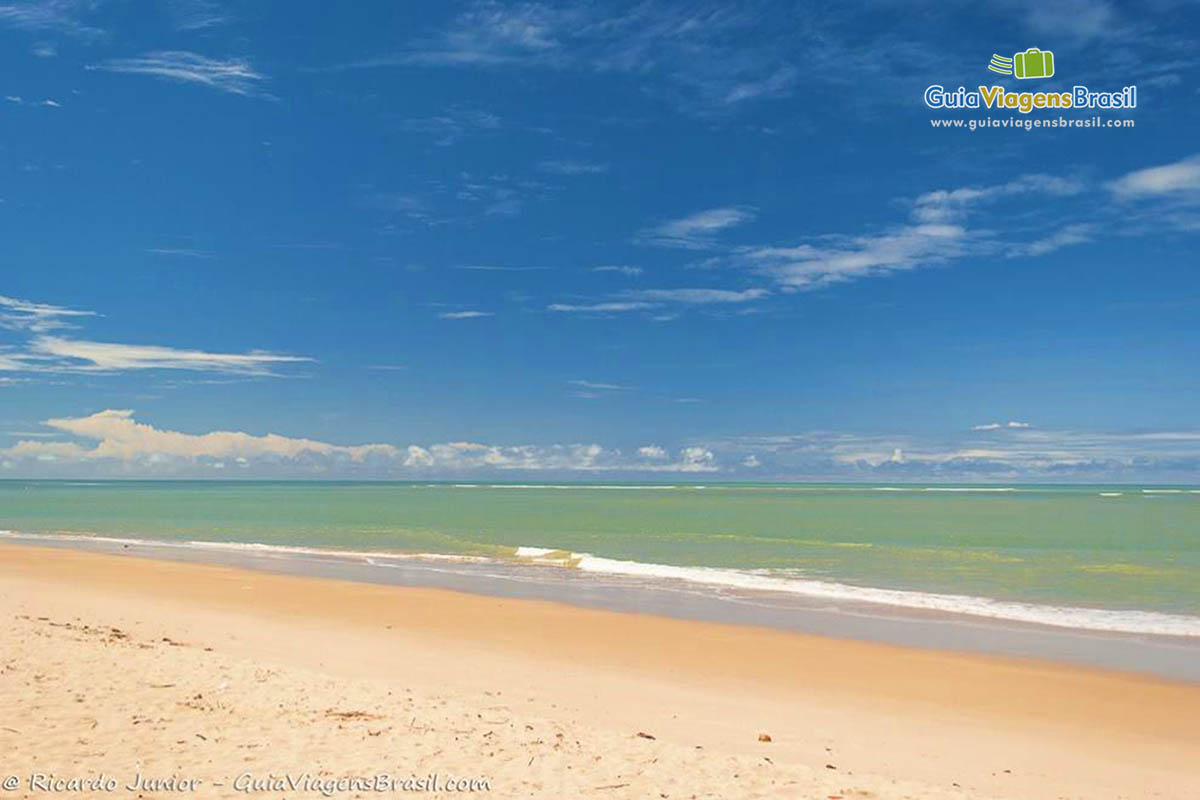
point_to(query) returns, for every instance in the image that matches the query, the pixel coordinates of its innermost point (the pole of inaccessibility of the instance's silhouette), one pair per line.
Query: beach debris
(347, 715)
(830, 766)
(644, 735)
(764, 737)
(612, 786)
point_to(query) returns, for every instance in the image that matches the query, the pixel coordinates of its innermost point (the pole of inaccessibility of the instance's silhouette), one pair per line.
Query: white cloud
(571, 167)
(1078, 19)
(1169, 180)
(604, 387)
(36, 317)
(992, 426)
(697, 231)
(777, 84)
(81, 355)
(601, 308)
(452, 125)
(699, 296)
(648, 299)
(1068, 235)
(464, 314)
(652, 451)
(193, 15)
(698, 53)
(182, 252)
(936, 233)
(908, 247)
(114, 437)
(62, 16)
(233, 76)
(50, 352)
(620, 268)
(120, 437)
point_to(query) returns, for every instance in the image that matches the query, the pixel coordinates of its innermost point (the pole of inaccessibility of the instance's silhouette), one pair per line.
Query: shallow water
(1093, 557)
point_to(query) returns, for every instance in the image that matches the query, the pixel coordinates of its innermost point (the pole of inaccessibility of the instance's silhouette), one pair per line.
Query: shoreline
(892, 721)
(1164, 656)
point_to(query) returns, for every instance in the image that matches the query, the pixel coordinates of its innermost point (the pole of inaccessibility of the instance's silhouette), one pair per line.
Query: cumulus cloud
(114, 438)
(118, 436)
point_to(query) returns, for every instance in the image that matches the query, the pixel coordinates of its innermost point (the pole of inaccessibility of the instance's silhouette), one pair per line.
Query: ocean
(1099, 558)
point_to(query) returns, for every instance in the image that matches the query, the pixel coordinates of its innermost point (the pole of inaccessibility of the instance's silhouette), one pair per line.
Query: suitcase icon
(1033, 63)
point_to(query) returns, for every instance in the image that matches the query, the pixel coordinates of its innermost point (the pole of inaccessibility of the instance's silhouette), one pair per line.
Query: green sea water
(1079, 546)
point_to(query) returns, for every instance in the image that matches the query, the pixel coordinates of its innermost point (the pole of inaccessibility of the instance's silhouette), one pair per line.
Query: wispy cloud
(598, 386)
(602, 308)
(699, 56)
(696, 231)
(58, 16)
(452, 125)
(193, 15)
(1181, 178)
(464, 314)
(232, 76)
(572, 167)
(620, 268)
(993, 426)
(936, 232)
(37, 317)
(1067, 236)
(81, 355)
(182, 252)
(699, 296)
(651, 299)
(497, 268)
(45, 350)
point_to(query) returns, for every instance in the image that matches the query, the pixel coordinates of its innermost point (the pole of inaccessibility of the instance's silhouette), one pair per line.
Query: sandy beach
(222, 682)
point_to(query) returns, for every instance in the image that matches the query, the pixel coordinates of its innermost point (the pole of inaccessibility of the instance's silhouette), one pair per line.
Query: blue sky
(593, 242)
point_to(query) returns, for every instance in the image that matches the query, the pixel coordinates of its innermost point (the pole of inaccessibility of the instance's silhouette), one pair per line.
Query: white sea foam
(1091, 619)
(1095, 619)
(235, 547)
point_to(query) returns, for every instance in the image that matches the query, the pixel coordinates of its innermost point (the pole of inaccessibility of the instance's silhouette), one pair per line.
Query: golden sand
(230, 679)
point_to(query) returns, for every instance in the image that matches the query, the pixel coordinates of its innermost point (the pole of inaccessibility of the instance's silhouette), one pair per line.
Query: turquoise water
(1056, 545)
